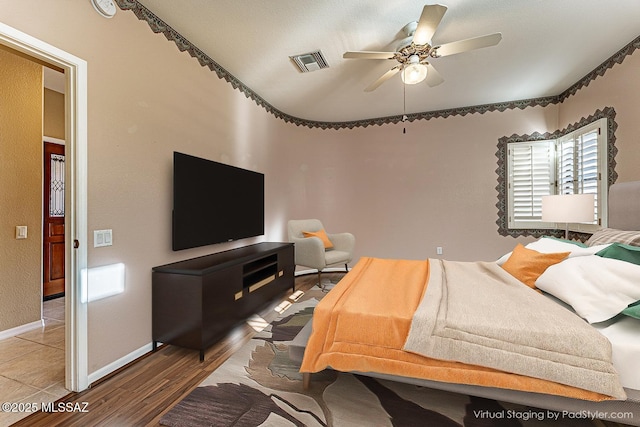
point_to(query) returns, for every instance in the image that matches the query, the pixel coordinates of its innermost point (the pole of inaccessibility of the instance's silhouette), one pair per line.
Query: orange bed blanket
(362, 325)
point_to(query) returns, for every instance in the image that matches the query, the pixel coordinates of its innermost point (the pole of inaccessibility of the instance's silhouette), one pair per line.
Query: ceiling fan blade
(469, 44)
(429, 20)
(368, 55)
(433, 76)
(386, 76)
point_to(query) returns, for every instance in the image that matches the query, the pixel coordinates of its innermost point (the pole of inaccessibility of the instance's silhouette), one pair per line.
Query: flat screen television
(214, 202)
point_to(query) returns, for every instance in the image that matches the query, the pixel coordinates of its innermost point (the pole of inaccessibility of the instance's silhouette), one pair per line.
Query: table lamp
(568, 208)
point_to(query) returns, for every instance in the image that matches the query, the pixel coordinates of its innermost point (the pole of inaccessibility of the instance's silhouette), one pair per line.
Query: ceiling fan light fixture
(413, 73)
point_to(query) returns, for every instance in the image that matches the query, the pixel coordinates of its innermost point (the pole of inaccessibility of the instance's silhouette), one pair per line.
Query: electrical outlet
(439, 250)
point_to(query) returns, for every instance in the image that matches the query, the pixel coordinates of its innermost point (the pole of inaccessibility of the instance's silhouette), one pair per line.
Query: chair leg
(306, 380)
(320, 285)
(346, 267)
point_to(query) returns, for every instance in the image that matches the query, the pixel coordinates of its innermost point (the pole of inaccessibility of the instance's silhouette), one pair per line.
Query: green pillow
(621, 252)
(633, 310)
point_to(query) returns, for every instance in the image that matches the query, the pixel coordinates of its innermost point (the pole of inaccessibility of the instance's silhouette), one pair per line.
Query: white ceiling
(547, 45)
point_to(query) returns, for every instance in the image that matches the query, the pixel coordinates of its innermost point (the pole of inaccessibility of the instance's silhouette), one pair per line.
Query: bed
(473, 328)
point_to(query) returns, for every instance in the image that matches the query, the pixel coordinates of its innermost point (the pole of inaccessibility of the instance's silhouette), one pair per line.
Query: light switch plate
(102, 238)
(21, 231)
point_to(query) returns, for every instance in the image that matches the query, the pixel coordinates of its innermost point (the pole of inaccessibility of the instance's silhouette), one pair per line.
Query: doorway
(75, 222)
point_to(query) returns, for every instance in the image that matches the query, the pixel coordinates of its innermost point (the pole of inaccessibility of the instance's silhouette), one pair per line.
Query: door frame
(75, 70)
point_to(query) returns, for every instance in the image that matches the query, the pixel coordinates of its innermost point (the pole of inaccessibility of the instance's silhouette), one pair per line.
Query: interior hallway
(32, 363)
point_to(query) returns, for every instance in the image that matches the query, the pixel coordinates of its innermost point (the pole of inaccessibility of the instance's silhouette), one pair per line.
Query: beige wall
(400, 194)
(53, 122)
(404, 194)
(21, 190)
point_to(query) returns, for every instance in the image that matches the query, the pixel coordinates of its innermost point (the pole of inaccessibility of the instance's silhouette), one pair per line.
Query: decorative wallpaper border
(503, 228)
(159, 26)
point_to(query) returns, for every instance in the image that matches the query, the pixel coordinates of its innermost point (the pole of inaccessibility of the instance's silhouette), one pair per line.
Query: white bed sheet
(624, 335)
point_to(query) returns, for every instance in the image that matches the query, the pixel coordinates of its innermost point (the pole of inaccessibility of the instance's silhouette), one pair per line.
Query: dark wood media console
(196, 301)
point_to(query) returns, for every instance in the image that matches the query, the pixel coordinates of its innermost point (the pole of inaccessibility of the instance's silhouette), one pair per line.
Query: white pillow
(548, 245)
(597, 288)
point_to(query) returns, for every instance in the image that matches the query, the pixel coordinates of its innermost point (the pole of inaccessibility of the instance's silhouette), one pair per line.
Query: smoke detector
(311, 61)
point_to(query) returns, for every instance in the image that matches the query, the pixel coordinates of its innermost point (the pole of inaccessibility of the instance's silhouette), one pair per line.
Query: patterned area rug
(260, 386)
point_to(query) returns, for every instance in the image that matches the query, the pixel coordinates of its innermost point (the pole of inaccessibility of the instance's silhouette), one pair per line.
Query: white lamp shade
(568, 208)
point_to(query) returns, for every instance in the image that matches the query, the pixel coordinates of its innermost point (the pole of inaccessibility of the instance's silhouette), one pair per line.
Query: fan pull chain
(404, 106)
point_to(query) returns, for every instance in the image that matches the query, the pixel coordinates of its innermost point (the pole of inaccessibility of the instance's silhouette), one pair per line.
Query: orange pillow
(322, 235)
(527, 265)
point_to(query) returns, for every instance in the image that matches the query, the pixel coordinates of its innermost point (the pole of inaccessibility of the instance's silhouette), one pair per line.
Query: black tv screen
(214, 202)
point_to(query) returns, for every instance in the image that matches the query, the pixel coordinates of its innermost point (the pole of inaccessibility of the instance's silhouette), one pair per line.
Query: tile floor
(32, 363)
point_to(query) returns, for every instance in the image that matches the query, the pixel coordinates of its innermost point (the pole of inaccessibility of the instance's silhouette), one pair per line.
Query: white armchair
(311, 252)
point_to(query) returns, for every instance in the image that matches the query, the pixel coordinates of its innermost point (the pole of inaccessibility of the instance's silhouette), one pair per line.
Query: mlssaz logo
(65, 407)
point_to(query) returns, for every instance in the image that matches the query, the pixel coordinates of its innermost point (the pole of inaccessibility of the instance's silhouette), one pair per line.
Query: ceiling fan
(416, 49)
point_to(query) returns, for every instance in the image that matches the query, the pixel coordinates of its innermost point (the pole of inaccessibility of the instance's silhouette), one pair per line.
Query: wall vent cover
(311, 61)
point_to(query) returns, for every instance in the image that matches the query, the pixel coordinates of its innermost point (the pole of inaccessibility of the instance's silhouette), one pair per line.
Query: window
(531, 167)
(574, 161)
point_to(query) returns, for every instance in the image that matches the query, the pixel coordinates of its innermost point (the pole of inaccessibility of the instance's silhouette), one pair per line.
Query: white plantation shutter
(566, 165)
(588, 170)
(578, 165)
(573, 164)
(531, 176)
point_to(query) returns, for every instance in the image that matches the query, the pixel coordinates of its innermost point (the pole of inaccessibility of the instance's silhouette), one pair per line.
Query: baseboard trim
(9, 333)
(101, 373)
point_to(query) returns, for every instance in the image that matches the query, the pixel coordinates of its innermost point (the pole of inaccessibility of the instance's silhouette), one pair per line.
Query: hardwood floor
(140, 393)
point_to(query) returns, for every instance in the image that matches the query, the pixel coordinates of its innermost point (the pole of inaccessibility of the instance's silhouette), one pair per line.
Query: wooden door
(53, 226)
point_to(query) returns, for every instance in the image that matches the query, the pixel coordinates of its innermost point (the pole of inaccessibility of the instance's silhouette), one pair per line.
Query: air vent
(311, 61)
